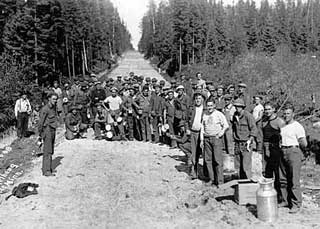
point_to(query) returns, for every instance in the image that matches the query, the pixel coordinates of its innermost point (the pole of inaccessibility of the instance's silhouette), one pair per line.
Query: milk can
(267, 204)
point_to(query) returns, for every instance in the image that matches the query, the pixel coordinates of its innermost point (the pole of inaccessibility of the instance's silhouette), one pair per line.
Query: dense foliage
(273, 48)
(46, 40)
(207, 31)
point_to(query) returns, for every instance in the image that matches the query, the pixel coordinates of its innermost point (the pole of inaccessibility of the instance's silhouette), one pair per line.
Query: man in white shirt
(214, 126)
(257, 115)
(22, 110)
(194, 119)
(114, 104)
(293, 138)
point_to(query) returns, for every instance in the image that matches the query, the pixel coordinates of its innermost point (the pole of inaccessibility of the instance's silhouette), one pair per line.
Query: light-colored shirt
(22, 105)
(196, 125)
(229, 112)
(114, 102)
(290, 134)
(258, 109)
(213, 124)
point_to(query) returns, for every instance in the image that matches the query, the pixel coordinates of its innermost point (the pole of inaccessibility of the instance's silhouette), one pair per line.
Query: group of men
(195, 116)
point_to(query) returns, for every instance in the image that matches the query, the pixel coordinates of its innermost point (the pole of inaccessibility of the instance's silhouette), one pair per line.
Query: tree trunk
(68, 61)
(193, 48)
(85, 55)
(180, 55)
(73, 67)
(83, 64)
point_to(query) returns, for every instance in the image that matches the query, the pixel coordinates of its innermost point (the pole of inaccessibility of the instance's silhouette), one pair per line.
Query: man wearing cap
(293, 139)
(257, 115)
(156, 106)
(22, 110)
(153, 83)
(182, 104)
(102, 117)
(212, 93)
(162, 84)
(74, 125)
(183, 139)
(242, 94)
(97, 95)
(142, 104)
(81, 99)
(47, 131)
(169, 110)
(129, 112)
(214, 125)
(113, 103)
(193, 126)
(244, 132)
(229, 111)
(118, 82)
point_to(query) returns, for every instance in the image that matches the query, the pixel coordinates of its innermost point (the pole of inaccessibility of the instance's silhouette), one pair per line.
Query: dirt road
(102, 184)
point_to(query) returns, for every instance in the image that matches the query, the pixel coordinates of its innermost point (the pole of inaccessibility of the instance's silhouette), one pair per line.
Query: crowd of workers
(195, 115)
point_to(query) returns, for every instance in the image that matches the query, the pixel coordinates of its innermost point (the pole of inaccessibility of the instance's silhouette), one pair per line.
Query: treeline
(48, 38)
(185, 32)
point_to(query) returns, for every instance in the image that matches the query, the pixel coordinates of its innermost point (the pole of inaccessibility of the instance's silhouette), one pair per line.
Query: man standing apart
(47, 131)
(293, 138)
(214, 125)
(193, 125)
(244, 132)
(22, 110)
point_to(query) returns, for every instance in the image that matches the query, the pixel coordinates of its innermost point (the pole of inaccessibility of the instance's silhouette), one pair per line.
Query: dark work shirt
(72, 120)
(244, 126)
(48, 117)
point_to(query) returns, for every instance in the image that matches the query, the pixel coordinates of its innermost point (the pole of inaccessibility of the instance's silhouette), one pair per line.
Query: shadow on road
(56, 162)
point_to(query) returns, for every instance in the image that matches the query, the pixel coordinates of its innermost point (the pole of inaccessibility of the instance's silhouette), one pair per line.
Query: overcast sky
(132, 12)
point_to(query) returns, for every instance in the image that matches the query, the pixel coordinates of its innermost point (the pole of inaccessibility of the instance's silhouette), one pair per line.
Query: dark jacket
(48, 117)
(156, 105)
(244, 126)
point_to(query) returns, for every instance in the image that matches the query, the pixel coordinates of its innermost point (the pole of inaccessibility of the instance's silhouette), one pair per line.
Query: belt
(211, 136)
(288, 147)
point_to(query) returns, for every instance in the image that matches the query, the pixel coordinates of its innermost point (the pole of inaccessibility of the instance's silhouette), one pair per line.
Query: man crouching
(74, 126)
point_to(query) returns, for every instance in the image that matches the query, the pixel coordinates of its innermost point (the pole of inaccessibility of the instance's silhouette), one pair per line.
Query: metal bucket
(267, 204)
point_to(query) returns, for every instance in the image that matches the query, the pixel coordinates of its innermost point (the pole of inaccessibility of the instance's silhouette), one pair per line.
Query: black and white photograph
(177, 114)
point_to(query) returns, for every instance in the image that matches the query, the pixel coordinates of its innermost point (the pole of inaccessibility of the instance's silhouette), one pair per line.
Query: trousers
(195, 152)
(48, 148)
(290, 168)
(243, 160)
(22, 124)
(213, 157)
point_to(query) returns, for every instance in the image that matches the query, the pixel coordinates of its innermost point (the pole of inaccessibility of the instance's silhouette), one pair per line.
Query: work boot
(193, 173)
(294, 210)
(49, 174)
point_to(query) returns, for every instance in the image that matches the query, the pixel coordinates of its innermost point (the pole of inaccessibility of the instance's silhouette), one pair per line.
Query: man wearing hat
(183, 139)
(22, 110)
(74, 125)
(118, 82)
(182, 104)
(48, 124)
(67, 98)
(156, 106)
(193, 125)
(169, 111)
(102, 117)
(153, 83)
(97, 95)
(129, 112)
(142, 104)
(148, 82)
(242, 94)
(212, 92)
(244, 132)
(162, 84)
(81, 99)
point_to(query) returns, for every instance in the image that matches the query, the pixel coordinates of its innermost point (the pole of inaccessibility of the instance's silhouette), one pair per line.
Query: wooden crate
(245, 192)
